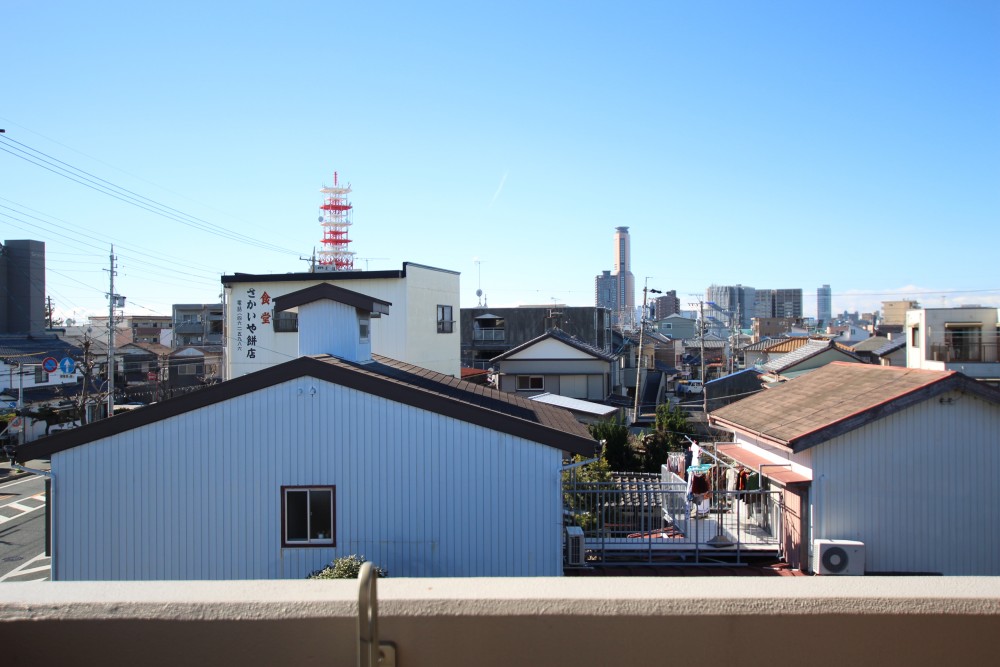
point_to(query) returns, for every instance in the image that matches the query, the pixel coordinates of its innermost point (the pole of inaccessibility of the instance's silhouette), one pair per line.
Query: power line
(82, 177)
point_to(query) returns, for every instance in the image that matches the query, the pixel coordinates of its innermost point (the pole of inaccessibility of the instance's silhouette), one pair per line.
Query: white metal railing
(639, 521)
(491, 335)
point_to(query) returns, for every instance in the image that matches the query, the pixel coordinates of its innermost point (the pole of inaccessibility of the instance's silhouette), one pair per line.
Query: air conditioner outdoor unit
(575, 547)
(838, 557)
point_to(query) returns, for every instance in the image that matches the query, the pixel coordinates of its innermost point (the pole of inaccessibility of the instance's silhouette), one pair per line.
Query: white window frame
(445, 321)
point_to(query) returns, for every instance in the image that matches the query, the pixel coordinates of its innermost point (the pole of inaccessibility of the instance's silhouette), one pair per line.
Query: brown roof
(321, 291)
(155, 348)
(838, 398)
(786, 345)
(387, 378)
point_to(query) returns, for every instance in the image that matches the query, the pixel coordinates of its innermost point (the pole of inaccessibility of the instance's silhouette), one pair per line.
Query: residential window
(190, 369)
(963, 342)
(444, 320)
(285, 322)
(308, 516)
(363, 331)
(915, 337)
(41, 377)
(530, 383)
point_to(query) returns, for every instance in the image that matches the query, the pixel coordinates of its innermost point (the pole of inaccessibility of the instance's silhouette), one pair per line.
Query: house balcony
(964, 353)
(188, 328)
(975, 360)
(489, 335)
(577, 621)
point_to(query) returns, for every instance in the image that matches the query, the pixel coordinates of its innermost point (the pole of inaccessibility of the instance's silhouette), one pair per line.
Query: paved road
(22, 530)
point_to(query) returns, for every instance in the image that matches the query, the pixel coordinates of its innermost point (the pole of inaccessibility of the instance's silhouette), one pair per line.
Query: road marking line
(32, 478)
(18, 506)
(23, 510)
(36, 569)
(17, 571)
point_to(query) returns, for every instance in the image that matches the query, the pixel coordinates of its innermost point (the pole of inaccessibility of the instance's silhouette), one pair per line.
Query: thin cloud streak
(496, 194)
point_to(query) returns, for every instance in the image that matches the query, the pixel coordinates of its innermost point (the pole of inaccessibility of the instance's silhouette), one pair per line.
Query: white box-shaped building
(421, 331)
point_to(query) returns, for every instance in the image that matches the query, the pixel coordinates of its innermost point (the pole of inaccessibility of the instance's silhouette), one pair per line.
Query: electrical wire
(82, 177)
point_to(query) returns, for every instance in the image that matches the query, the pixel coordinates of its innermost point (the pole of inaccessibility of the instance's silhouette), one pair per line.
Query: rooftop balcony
(444, 622)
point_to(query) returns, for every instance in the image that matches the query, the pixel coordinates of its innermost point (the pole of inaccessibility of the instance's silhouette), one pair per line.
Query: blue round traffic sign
(67, 366)
(49, 364)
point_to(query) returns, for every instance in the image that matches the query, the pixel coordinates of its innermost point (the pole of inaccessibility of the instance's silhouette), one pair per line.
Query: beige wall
(817, 621)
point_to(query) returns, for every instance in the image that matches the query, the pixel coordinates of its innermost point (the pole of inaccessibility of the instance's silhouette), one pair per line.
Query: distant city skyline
(759, 145)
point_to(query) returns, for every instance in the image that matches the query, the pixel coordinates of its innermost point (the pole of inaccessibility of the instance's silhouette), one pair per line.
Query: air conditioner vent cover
(838, 557)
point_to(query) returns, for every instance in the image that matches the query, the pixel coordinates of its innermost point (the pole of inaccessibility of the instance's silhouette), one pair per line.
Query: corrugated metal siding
(198, 496)
(919, 488)
(326, 327)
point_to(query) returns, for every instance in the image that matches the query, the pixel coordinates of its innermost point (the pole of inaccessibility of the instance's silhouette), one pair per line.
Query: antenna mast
(335, 218)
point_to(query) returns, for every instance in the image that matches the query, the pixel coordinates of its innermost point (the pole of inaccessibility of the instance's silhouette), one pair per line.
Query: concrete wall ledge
(583, 621)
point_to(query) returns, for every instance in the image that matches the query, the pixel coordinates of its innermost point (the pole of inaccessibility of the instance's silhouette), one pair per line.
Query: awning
(755, 458)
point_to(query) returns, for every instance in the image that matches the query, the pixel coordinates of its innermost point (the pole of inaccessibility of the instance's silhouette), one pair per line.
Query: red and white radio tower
(335, 218)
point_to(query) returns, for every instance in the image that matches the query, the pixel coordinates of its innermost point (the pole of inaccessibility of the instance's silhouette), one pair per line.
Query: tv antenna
(367, 259)
(479, 287)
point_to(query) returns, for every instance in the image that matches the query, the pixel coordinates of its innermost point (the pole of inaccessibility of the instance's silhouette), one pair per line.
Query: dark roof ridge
(563, 337)
(458, 399)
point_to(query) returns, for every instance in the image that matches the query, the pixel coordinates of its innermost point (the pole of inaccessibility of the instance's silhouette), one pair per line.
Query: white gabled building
(275, 473)
(422, 330)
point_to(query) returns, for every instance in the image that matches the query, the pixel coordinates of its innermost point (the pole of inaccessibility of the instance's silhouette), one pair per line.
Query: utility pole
(638, 363)
(701, 337)
(114, 301)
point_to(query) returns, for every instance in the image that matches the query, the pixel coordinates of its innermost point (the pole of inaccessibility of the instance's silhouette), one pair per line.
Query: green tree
(345, 567)
(618, 449)
(671, 427)
(580, 503)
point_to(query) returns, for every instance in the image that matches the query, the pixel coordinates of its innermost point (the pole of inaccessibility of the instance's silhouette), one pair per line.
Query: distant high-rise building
(666, 305)
(623, 269)
(824, 305)
(787, 303)
(736, 301)
(22, 287)
(606, 291)
(620, 279)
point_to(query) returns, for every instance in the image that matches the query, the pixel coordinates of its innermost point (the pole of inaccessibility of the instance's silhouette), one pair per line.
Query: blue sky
(773, 144)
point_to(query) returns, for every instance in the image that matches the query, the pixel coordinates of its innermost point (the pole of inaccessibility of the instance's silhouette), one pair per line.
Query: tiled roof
(786, 345)
(710, 343)
(869, 344)
(387, 378)
(808, 350)
(32, 349)
(837, 398)
(890, 347)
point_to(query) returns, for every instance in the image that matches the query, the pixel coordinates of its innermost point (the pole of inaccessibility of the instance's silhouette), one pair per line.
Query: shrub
(345, 567)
